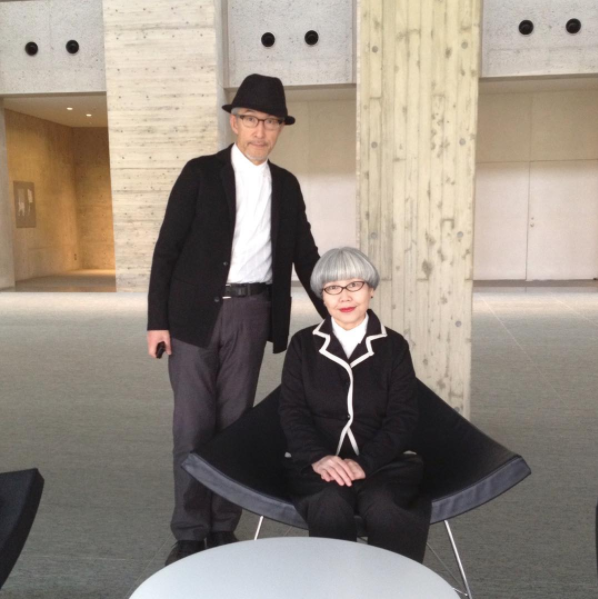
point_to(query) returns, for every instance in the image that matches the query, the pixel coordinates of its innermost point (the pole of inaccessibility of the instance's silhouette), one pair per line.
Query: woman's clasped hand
(333, 468)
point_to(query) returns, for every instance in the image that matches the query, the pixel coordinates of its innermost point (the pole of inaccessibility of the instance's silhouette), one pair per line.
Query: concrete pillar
(7, 267)
(163, 90)
(418, 95)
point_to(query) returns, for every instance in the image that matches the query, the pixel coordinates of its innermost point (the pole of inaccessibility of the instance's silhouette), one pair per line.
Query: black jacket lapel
(334, 347)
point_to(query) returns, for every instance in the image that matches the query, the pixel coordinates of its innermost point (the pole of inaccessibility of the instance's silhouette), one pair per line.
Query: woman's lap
(395, 484)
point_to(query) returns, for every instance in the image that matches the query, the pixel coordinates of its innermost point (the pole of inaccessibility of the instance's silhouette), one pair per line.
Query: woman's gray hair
(341, 264)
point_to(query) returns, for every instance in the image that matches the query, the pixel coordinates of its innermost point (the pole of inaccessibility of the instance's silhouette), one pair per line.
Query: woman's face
(348, 308)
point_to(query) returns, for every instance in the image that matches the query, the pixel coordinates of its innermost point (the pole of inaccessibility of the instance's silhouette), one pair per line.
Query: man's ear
(234, 125)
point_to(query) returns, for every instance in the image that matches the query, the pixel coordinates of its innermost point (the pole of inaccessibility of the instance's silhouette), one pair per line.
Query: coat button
(216, 299)
(225, 264)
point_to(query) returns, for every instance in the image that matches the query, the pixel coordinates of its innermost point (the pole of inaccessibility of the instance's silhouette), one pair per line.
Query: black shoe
(215, 539)
(183, 549)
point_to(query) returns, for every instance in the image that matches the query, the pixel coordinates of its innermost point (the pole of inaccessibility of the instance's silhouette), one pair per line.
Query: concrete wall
(94, 198)
(51, 24)
(550, 49)
(330, 61)
(41, 152)
(163, 93)
(537, 186)
(7, 270)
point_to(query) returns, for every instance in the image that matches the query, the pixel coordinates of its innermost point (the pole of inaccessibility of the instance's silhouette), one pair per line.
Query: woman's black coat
(332, 406)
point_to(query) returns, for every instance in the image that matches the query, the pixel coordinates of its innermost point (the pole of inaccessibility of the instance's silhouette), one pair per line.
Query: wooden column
(418, 97)
(162, 84)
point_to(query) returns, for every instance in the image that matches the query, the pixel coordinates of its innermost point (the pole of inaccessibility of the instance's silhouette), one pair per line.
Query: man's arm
(178, 219)
(306, 254)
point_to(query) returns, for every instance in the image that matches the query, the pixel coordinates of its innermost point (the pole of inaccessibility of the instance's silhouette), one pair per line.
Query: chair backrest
(464, 468)
(20, 494)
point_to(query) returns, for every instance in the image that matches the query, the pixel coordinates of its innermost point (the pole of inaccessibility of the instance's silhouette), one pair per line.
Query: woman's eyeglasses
(337, 289)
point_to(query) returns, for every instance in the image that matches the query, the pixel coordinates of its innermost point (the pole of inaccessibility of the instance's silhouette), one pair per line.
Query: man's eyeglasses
(270, 123)
(337, 289)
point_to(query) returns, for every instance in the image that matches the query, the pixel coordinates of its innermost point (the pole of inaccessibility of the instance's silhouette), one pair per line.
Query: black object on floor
(20, 494)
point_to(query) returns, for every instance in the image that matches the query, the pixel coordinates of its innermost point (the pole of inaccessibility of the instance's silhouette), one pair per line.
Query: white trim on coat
(347, 432)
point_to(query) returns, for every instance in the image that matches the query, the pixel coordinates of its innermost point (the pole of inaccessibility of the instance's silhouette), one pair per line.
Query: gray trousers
(213, 387)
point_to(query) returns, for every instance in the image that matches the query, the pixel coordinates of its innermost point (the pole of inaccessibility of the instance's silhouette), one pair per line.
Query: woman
(348, 410)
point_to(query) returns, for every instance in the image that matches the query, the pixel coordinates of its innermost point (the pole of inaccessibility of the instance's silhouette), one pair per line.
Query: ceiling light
(88, 115)
(69, 108)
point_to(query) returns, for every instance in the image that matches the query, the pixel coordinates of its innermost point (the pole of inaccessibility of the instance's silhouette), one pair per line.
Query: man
(220, 287)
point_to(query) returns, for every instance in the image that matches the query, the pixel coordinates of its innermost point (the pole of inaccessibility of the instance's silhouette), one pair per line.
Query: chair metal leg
(458, 559)
(257, 530)
(447, 569)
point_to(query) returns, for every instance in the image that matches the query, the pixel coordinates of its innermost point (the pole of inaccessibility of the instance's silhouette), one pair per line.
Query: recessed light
(88, 115)
(69, 108)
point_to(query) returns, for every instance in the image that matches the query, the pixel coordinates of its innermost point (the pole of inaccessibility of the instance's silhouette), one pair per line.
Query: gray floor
(82, 401)
(98, 281)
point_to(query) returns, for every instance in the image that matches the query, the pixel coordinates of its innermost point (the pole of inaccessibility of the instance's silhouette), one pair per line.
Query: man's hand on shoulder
(156, 337)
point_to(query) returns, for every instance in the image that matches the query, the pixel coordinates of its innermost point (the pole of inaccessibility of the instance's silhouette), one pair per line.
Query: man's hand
(155, 337)
(332, 468)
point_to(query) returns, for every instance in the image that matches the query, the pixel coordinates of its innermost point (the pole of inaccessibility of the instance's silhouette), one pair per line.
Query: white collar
(355, 334)
(243, 164)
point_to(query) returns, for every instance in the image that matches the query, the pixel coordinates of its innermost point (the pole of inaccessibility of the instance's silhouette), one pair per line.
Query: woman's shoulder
(300, 337)
(395, 340)
(394, 335)
(377, 327)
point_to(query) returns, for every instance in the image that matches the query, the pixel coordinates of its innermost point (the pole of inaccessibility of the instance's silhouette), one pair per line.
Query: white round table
(295, 568)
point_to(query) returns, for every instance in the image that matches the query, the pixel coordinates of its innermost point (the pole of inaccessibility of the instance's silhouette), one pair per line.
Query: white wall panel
(501, 207)
(504, 127)
(563, 234)
(554, 136)
(565, 125)
(320, 150)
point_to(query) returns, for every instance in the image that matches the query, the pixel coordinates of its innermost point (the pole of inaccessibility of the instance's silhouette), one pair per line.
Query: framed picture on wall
(25, 204)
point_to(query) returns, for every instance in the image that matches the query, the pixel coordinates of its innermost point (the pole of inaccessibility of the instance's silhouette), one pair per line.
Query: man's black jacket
(193, 252)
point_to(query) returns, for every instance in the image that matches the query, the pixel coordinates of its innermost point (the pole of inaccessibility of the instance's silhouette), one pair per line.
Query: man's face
(256, 143)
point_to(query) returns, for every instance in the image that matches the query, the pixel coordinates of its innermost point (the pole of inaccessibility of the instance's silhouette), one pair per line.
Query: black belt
(244, 289)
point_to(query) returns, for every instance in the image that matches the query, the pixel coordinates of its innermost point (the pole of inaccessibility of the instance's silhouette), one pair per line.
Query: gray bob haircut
(341, 264)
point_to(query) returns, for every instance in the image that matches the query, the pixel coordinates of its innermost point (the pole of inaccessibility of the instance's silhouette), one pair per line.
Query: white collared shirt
(350, 339)
(251, 260)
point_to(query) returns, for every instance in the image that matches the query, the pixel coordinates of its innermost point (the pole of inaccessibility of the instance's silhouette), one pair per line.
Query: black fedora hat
(262, 93)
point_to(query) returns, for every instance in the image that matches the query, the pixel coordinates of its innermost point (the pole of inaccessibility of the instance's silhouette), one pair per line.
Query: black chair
(20, 494)
(464, 468)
